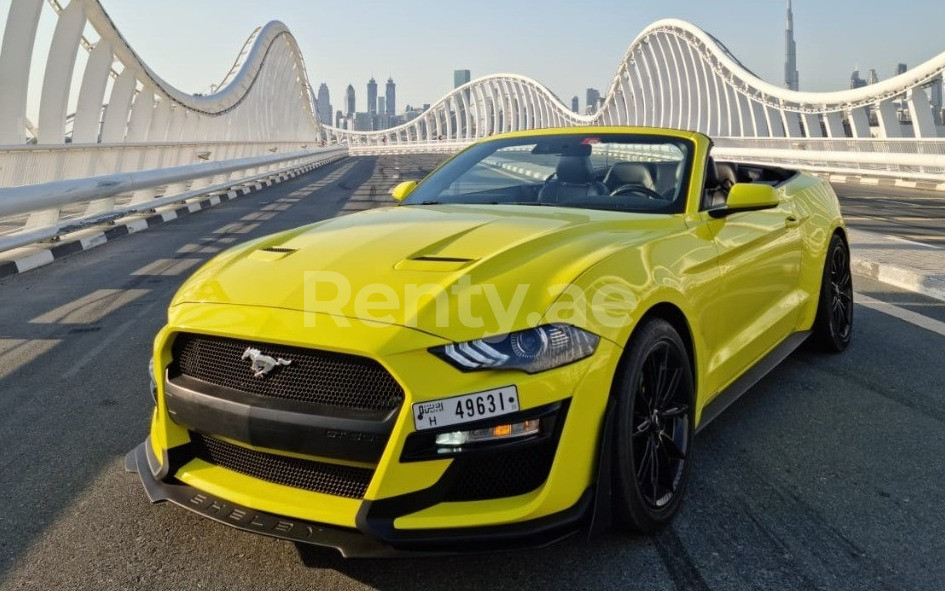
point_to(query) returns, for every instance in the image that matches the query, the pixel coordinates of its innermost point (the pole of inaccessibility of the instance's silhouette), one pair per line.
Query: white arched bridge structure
(101, 135)
(677, 75)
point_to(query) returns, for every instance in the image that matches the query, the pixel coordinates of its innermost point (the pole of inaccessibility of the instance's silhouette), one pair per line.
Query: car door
(758, 296)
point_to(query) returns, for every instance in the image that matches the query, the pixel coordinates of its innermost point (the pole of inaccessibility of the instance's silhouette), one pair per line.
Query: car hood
(456, 271)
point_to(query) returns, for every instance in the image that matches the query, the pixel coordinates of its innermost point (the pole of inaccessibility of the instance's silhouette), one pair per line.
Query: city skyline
(848, 33)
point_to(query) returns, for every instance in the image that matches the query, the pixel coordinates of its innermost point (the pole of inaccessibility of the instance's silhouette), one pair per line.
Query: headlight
(532, 350)
(153, 379)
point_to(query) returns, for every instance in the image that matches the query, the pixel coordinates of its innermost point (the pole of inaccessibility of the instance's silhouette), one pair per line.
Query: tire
(833, 327)
(654, 428)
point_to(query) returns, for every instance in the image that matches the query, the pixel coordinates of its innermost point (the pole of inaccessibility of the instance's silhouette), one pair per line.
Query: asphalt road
(829, 474)
(894, 211)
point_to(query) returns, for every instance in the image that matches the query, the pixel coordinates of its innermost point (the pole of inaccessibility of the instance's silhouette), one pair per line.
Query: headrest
(574, 169)
(711, 175)
(727, 173)
(629, 173)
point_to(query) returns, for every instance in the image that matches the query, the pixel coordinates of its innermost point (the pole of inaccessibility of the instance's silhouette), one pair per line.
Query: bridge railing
(44, 210)
(31, 164)
(905, 158)
(434, 147)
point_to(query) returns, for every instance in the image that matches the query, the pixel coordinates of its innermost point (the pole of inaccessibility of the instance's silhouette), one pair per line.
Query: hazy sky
(568, 46)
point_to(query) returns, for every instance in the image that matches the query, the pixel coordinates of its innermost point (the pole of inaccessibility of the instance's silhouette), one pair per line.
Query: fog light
(153, 380)
(496, 433)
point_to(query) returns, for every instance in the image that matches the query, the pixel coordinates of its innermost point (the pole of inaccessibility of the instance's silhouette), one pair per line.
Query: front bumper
(373, 538)
(410, 501)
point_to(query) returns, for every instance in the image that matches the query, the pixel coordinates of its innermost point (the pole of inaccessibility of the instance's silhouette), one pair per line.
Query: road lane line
(15, 353)
(906, 203)
(913, 318)
(898, 239)
(169, 267)
(105, 341)
(90, 308)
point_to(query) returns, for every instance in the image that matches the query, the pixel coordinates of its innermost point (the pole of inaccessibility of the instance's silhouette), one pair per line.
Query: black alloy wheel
(654, 428)
(833, 328)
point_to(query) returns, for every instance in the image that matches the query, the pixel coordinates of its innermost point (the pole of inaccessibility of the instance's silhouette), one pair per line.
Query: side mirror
(747, 197)
(402, 190)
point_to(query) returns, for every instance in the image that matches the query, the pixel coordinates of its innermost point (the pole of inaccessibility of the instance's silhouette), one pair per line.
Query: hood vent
(429, 262)
(436, 259)
(271, 253)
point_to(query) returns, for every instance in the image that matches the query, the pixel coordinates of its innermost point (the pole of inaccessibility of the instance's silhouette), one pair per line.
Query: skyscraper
(382, 105)
(349, 101)
(372, 96)
(872, 77)
(324, 104)
(460, 77)
(855, 80)
(901, 69)
(791, 77)
(593, 95)
(575, 104)
(391, 92)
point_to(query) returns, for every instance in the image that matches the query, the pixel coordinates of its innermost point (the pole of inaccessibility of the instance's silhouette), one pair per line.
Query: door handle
(791, 221)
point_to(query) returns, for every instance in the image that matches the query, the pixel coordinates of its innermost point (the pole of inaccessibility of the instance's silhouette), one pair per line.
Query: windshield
(622, 172)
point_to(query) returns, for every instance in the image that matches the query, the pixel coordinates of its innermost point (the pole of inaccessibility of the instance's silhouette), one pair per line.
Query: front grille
(314, 376)
(503, 474)
(331, 479)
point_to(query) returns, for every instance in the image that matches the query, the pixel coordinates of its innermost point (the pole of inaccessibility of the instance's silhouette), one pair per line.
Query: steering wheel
(635, 188)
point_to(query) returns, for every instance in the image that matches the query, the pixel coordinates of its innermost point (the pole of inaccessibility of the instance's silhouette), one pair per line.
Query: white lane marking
(508, 174)
(906, 203)
(913, 318)
(898, 239)
(104, 343)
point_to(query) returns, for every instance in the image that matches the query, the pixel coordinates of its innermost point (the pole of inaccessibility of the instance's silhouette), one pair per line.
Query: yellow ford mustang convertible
(521, 349)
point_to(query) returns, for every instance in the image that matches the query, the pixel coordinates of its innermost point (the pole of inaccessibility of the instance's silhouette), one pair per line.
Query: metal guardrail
(906, 166)
(436, 147)
(907, 159)
(40, 205)
(33, 164)
(858, 145)
(43, 202)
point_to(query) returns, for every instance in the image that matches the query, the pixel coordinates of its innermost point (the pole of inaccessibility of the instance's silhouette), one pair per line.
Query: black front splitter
(351, 542)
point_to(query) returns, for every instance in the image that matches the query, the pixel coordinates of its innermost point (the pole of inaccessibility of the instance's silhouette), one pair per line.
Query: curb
(59, 250)
(902, 277)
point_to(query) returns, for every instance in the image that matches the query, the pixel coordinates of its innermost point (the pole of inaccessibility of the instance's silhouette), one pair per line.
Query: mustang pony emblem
(262, 364)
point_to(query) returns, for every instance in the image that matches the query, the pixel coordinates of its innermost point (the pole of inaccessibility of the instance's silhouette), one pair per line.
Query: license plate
(467, 408)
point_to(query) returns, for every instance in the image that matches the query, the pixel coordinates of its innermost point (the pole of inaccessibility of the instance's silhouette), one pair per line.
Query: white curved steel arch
(676, 75)
(241, 108)
(672, 74)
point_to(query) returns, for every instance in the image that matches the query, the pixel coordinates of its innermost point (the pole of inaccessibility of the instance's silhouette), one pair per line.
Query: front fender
(611, 297)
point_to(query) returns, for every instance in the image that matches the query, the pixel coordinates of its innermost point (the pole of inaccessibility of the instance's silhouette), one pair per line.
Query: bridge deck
(827, 475)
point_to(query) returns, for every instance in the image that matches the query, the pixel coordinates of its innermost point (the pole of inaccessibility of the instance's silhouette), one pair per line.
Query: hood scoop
(430, 262)
(271, 253)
